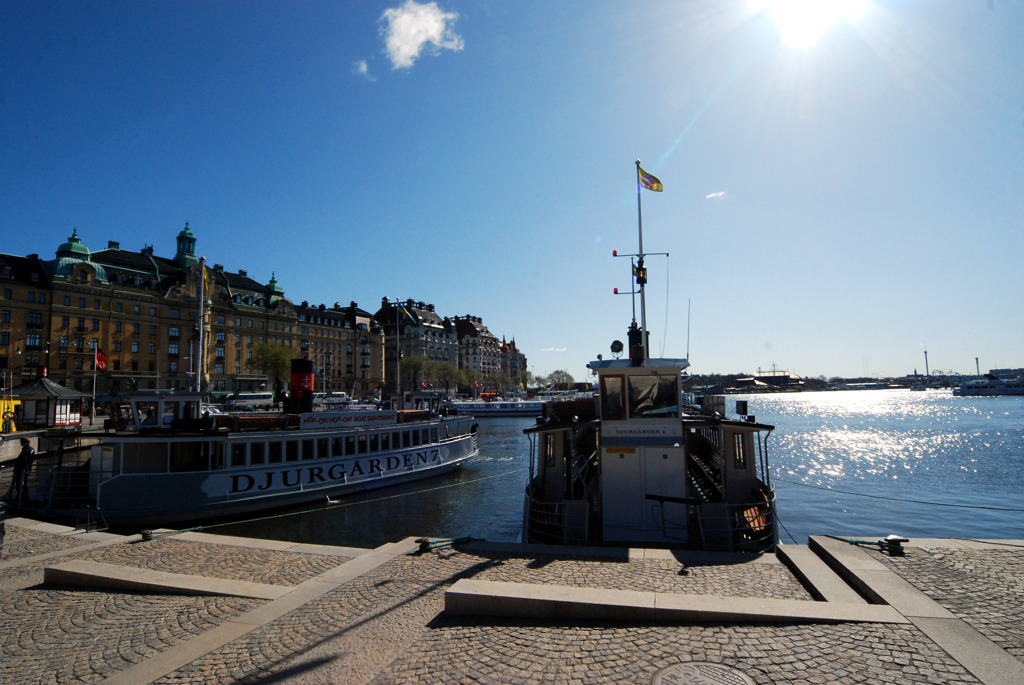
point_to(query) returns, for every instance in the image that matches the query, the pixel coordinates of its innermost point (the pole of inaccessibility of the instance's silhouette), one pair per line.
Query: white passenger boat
(501, 407)
(636, 465)
(161, 462)
(990, 386)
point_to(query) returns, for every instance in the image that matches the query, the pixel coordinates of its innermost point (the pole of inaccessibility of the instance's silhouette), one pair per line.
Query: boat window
(144, 458)
(147, 413)
(307, 450)
(548, 449)
(374, 442)
(350, 444)
(190, 456)
(433, 435)
(238, 454)
(170, 411)
(417, 438)
(336, 447)
(323, 448)
(385, 441)
(362, 444)
(217, 456)
(740, 455)
(613, 407)
(273, 453)
(291, 450)
(653, 396)
(256, 453)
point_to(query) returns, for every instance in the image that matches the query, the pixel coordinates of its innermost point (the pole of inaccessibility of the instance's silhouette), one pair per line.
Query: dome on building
(73, 248)
(274, 288)
(72, 253)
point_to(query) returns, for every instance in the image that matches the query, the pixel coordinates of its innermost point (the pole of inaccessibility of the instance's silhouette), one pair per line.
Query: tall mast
(641, 270)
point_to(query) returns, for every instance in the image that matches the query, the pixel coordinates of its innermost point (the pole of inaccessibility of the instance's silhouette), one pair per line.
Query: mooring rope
(896, 499)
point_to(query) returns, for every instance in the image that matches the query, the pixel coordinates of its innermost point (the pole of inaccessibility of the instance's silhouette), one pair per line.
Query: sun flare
(802, 22)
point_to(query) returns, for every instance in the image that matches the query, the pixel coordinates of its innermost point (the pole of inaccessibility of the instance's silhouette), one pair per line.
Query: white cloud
(413, 27)
(361, 68)
(555, 349)
(719, 195)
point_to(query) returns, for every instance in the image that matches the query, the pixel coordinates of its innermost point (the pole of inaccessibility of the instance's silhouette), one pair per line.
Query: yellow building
(139, 313)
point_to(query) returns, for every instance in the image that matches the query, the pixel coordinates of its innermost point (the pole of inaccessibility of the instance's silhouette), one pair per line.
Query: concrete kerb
(985, 660)
(468, 597)
(185, 653)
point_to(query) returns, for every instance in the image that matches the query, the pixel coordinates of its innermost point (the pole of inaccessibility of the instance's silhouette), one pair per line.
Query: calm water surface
(858, 463)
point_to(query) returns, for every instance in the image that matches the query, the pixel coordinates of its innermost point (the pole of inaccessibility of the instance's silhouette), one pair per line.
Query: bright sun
(802, 22)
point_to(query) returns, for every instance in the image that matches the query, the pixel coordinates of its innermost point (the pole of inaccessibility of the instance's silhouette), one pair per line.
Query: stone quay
(193, 607)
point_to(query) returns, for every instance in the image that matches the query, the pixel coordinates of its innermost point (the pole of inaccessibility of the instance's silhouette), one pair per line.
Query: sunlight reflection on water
(900, 445)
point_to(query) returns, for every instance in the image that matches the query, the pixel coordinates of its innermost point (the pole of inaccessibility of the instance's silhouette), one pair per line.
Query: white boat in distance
(508, 407)
(163, 463)
(990, 386)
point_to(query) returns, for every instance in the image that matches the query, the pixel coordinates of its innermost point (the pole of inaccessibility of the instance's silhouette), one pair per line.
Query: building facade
(111, 321)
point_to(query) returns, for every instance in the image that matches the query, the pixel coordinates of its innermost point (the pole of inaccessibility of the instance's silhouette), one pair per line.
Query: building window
(219, 368)
(152, 348)
(95, 304)
(8, 294)
(67, 301)
(173, 367)
(31, 297)
(135, 309)
(95, 324)
(117, 346)
(172, 349)
(81, 303)
(5, 338)
(135, 346)
(172, 332)
(175, 314)
(119, 307)
(136, 328)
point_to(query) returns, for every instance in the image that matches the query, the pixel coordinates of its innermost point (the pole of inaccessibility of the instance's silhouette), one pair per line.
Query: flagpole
(95, 353)
(641, 273)
(202, 323)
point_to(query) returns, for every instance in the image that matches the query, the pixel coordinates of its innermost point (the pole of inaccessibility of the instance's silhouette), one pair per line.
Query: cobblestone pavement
(984, 587)
(387, 625)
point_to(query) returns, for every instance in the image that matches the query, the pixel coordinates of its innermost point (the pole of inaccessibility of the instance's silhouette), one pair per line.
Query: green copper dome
(73, 247)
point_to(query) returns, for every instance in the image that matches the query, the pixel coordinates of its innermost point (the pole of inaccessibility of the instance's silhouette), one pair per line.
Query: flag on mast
(650, 181)
(100, 361)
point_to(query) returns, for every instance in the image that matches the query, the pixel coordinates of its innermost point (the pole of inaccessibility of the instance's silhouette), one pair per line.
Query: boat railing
(720, 526)
(557, 523)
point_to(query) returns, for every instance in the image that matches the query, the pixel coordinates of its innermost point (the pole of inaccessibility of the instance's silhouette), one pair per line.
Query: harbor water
(852, 463)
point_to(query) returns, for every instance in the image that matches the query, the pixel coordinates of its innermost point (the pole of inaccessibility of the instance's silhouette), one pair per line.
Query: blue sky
(840, 194)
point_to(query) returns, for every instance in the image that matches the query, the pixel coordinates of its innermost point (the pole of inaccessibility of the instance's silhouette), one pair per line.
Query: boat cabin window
(336, 445)
(323, 448)
(385, 441)
(292, 450)
(190, 456)
(613, 406)
(654, 396)
(238, 454)
(308, 451)
(143, 458)
(739, 455)
(350, 444)
(374, 442)
(361, 444)
(257, 453)
(274, 453)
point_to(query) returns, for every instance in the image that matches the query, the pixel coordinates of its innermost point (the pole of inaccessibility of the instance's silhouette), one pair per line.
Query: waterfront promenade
(199, 608)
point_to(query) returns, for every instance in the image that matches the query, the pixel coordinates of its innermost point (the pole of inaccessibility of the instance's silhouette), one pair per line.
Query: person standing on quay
(22, 464)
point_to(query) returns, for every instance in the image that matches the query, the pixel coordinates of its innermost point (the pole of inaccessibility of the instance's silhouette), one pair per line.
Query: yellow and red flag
(649, 181)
